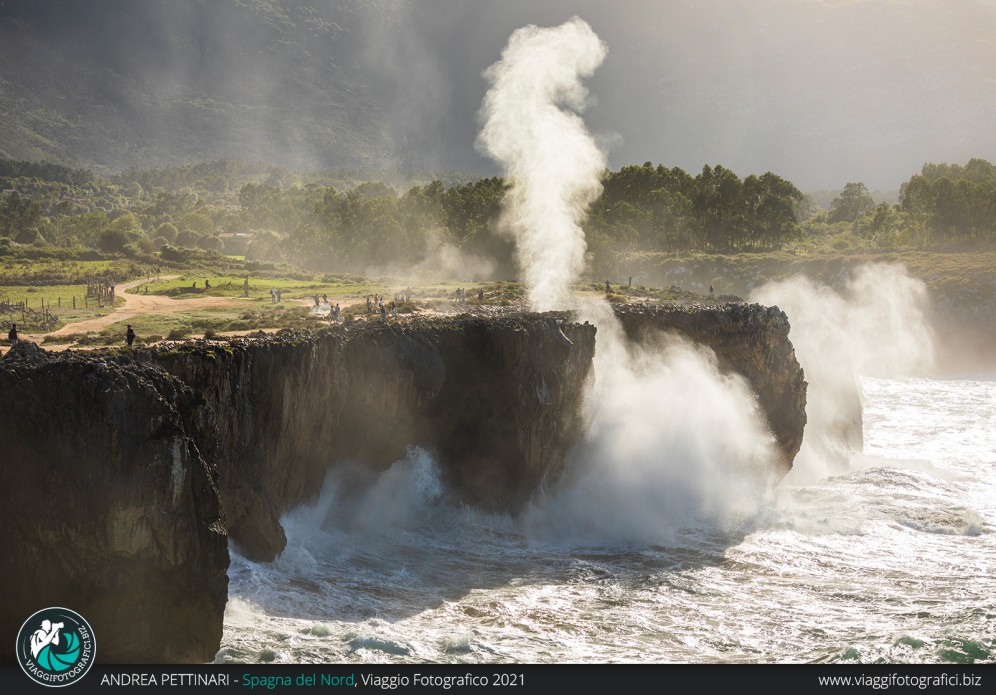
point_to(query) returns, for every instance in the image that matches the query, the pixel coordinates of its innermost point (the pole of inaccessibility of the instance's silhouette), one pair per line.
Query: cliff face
(127, 467)
(748, 339)
(111, 509)
(496, 400)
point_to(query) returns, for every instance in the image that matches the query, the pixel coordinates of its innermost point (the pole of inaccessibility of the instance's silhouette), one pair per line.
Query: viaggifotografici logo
(56, 647)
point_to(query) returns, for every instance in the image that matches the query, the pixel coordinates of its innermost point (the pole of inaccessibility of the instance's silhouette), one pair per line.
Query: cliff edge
(130, 470)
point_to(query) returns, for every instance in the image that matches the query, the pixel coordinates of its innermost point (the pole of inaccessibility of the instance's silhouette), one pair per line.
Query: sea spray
(875, 325)
(428, 582)
(671, 443)
(532, 128)
(670, 440)
(374, 523)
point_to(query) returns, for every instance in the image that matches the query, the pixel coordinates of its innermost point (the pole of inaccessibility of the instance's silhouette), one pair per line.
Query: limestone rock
(111, 509)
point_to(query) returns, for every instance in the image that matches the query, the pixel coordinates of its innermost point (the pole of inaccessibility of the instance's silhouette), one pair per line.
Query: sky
(821, 92)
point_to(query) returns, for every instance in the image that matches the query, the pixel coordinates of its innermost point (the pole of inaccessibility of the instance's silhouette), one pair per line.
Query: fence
(28, 317)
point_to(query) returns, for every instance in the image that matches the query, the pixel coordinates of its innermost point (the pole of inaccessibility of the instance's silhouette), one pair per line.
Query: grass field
(189, 285)
(151, 328)
(57, 299)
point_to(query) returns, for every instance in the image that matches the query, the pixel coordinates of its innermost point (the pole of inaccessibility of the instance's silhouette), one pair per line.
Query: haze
(819, 92)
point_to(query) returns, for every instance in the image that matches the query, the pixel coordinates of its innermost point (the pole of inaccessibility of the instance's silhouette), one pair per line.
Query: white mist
(532, 128)
(874, 326)
(670, 441)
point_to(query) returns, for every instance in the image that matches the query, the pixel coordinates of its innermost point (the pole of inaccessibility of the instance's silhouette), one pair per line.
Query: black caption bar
(510, 679)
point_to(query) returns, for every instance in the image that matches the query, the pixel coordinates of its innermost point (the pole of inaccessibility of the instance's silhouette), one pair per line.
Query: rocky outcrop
(127, 467)
(111, 509)
(496, 401)
(748, 339)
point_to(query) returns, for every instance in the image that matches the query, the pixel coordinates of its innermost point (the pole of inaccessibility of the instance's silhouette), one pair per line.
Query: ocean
(889, 557)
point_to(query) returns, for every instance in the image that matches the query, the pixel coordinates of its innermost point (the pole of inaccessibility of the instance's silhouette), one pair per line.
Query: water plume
(875, 325)
(669, 439)
(532, 127)
(671, 443)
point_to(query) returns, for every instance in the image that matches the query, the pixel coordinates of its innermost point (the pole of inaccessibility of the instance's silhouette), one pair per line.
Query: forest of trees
(949, 203)
(334, 222)
(655, 208)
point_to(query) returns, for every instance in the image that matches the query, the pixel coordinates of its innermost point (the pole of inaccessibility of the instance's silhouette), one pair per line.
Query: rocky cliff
(110, 507)
(128, 467)
(748, 339)
(495, 400)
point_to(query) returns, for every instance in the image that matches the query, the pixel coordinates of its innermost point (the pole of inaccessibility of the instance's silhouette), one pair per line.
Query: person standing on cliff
(12, 335)
(130, 335)
(710, 289)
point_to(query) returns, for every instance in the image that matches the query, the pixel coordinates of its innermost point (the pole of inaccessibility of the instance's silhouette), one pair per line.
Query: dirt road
(143, 304)
(135, 304)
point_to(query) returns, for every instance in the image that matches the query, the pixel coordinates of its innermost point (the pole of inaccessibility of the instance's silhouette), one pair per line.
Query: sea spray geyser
(532, 128)
(669, 439)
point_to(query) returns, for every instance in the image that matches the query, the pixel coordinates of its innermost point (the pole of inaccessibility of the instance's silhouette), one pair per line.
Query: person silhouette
(44, 636)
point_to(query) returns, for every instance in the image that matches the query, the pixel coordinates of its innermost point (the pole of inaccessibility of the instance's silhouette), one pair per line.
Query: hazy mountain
(822, 92)
(146, 82)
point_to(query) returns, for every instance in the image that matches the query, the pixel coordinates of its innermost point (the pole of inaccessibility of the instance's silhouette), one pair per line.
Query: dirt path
(137, 304)
(143, 304)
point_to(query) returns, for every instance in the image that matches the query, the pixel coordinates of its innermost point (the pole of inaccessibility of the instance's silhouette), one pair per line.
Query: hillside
(807, 90)
(114, 84)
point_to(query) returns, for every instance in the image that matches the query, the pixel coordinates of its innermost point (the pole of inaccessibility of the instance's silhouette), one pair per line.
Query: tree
(211, 243)
(197, 222)
(168, 231)
(853, 202)
(187, 238)
(950, 203)
(18, 215)
(112, 241)
(126, 223)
